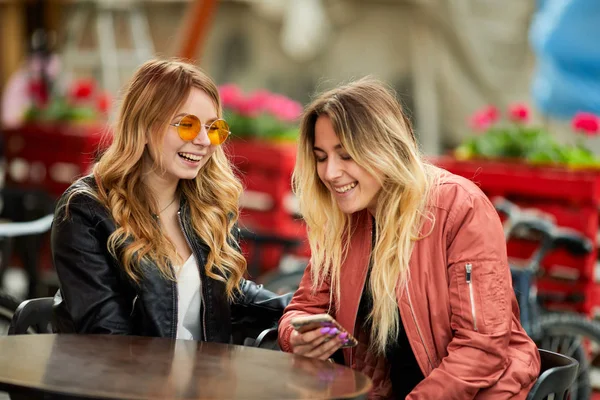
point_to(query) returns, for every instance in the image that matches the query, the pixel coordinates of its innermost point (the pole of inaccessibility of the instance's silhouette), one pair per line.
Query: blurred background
(506, 93)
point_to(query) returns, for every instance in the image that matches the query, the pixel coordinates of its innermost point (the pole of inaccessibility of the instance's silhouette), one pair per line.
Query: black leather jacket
(96, 296)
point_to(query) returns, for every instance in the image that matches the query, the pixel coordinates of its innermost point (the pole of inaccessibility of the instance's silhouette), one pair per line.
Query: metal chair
(267, 339)
(557, 374)
(32, 316)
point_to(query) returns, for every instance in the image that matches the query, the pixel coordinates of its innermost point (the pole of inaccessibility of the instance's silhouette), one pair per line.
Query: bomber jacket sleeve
(480, 301)
(91, 298)
(304, 302)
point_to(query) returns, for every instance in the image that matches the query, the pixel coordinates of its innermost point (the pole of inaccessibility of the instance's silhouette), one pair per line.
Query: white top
(188, 288)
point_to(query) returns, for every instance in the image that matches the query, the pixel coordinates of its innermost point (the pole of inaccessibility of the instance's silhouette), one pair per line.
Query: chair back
(32, 316)
(557, 374)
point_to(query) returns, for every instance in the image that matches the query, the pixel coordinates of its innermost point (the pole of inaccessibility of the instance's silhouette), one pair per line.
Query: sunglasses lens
(189, 127)
(218, 132)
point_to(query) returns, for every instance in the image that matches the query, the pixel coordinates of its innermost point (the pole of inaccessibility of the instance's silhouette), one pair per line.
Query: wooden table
(130, 367)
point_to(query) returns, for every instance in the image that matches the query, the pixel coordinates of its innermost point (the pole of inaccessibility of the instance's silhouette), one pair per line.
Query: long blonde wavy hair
(153, 96)
(375, 132)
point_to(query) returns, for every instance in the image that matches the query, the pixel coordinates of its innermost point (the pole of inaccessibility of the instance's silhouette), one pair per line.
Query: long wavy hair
(156, 91)
(375, 132)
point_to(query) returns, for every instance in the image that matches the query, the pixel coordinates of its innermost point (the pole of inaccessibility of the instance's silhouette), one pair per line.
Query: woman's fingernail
(333, 331)
(343, 335)
(325, 330)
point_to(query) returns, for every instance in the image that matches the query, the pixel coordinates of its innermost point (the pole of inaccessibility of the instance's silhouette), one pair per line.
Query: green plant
(81, 102)
(261, 114)
(516, 139)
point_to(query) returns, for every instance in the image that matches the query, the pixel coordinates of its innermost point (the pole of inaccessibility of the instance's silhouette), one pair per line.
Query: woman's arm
(304, 302)
(480, 302)
(256, 308)
(93, 297)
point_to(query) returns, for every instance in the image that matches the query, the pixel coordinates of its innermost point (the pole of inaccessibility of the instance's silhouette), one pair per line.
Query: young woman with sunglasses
(147, 244)
(408, 258)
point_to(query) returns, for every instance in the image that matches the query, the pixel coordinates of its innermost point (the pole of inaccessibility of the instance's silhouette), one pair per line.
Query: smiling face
(184, 159)
(351, 185)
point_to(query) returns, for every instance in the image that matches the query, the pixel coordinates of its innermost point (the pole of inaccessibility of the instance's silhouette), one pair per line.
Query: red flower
(587, 123)
(39, 92)
(103, 102)
(82, 89)
(483, 119)
(518, 112)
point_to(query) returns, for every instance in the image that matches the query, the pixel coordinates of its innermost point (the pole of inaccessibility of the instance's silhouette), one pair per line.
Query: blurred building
(446, 58)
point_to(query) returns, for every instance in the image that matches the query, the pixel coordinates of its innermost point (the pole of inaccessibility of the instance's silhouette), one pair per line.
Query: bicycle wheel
(8, 305)
(577, 337)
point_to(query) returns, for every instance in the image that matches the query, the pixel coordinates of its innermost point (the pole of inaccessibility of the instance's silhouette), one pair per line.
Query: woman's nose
(332, 170)
(201, 138)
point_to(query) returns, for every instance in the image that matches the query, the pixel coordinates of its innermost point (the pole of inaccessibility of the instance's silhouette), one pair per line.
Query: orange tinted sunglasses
(189, 127)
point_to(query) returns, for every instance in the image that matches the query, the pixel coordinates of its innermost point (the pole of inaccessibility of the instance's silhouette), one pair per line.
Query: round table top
(133, 367)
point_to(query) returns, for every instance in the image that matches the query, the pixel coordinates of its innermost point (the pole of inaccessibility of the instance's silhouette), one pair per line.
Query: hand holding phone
(324, 321)
(318, 336)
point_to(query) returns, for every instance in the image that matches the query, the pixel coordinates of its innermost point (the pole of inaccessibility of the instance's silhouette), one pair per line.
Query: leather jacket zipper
(133, 305)
(175, 291)
(468, 268)
(412, 311)
(202, 303)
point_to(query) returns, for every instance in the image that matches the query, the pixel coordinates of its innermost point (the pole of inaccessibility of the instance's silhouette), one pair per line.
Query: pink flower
(249, 108)
(259, 102)
(587, 123)
(284, 109)
(231, 96)
(518, 112)
(260, 99)
(483, 119)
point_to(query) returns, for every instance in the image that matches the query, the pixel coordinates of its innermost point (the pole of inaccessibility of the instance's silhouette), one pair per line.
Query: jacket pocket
(481, 295)
(495, 293)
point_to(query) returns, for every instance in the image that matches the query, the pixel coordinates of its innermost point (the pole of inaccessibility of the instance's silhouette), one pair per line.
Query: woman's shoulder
(81, 194)
(451, 191)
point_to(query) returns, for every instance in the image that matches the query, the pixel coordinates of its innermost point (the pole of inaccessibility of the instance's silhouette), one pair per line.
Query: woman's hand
(320, 343)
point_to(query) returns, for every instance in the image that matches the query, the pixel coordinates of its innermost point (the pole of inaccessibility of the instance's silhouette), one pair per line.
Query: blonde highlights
(153, 96)
(373, 129)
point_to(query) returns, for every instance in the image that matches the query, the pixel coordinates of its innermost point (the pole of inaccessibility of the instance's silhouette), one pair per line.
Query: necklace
(168, 205)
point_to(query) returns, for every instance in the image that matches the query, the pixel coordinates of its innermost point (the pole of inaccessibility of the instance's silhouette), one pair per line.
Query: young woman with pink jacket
(407, 257)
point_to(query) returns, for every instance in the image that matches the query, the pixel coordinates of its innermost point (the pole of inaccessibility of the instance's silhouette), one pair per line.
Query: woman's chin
(188, 176)
(349, 208)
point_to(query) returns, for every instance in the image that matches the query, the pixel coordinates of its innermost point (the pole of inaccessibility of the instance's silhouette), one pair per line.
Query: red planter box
(268, 205)
(50, 156)
(579, 187)
(571, 196)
